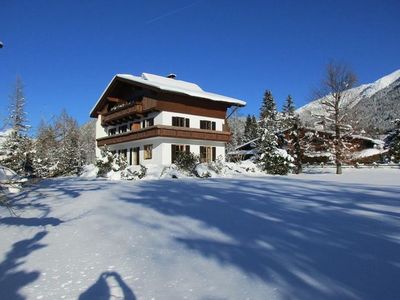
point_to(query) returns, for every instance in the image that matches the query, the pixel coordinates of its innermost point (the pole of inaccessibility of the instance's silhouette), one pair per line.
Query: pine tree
(250, 129)
(18, 146)
(69, 152)
(46, 151)
(272, 159)
(236, 125)
(296, 144)
(247, 127)
(288, 106)
(288, 114)
(392, 142)
(88, 142)
(268, 106)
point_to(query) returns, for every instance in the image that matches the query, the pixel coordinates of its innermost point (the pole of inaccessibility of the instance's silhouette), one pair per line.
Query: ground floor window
(148, 151)
(207, 154)
(176, 149)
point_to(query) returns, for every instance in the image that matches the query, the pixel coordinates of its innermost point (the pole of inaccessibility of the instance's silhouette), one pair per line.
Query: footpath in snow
(312, 236)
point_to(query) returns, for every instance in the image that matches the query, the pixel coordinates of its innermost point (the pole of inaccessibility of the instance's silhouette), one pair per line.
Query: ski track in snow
(310, 236)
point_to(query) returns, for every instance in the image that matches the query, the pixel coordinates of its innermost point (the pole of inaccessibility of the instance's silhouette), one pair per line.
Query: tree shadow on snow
(11, 279)
(19, 221)
(102, 289)
(313, 239)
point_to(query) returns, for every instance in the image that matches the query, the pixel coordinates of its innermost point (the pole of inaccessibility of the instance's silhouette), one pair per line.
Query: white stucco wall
(161, 145)
(165, 118)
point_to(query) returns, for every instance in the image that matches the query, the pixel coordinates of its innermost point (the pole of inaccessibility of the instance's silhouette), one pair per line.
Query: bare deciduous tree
(336, 100)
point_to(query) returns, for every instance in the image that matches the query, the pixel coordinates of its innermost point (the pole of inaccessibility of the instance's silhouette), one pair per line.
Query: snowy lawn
(313, 236)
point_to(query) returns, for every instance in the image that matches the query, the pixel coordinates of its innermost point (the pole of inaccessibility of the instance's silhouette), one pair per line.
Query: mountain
(372, 107)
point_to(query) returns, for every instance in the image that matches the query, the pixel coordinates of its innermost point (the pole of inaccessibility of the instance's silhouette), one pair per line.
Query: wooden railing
(122, 113)
(166, 131)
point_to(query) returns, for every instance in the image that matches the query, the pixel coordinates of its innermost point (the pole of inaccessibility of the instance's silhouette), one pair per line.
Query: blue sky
(67, 51)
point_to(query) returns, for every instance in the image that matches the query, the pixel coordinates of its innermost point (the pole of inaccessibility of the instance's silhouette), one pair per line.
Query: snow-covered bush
(105, 163)
(134, 172)
(120, 163)
(173, 171)
(218, 165)
(186, 161)
(202, 170)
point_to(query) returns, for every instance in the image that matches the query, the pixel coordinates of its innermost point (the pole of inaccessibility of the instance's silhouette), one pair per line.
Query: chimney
(171, 76)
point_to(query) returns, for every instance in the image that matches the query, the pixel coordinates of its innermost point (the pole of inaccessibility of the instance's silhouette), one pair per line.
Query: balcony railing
(122, 114)
(166, 131)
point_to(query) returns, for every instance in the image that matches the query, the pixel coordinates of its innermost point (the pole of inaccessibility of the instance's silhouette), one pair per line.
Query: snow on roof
(174, 86)
(247, 143)
(369, 152)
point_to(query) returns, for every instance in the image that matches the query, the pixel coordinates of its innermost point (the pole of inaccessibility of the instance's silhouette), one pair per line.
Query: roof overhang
(181, 87)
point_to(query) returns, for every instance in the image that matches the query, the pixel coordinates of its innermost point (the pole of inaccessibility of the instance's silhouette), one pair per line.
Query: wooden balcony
(166, 131)
(123, 114)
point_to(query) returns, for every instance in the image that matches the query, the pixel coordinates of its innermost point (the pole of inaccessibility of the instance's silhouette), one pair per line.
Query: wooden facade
(166, 131)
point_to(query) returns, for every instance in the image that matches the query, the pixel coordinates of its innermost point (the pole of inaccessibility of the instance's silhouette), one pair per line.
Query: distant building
(150, 119)
(361, 149)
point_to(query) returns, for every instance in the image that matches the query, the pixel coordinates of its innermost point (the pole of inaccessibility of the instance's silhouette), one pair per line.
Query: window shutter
(213, 126)
(187, 148)
(187, 122)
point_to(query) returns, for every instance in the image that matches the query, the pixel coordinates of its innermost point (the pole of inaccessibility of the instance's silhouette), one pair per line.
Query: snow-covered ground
(312, 236)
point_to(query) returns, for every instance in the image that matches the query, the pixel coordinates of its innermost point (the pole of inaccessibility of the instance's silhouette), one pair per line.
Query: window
(207, 154)
(208, 125)
(180, 122)
(112, 131)
(148, 151)
(176, 149)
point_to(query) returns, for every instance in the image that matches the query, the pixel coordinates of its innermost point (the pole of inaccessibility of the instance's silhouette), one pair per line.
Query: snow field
(309, 236)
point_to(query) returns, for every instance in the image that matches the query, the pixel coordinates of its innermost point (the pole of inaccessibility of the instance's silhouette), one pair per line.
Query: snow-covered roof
(171, 85)
(247, 143)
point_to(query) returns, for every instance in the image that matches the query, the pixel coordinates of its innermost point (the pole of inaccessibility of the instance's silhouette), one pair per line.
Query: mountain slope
(372, 106)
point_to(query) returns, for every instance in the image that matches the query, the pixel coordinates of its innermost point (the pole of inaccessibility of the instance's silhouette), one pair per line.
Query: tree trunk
(338, 168)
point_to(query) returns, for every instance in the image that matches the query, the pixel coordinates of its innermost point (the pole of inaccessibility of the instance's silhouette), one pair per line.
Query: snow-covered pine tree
(250, 129)
(268, 106)
(392, 142)
(46, 151)
(18, 146)
(236, 125)
(88, 142)
(272, 159)
(291, 125)
(69, 154)
(288, 113)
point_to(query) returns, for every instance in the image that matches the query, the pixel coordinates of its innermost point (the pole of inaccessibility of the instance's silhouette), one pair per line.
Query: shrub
(186, 161)
(134, 172)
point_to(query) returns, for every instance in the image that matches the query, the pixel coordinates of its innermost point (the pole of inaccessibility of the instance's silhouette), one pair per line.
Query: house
(360, 149)
(150, 119)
